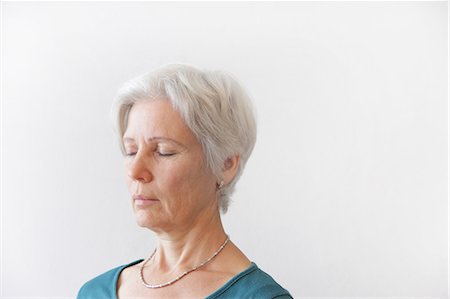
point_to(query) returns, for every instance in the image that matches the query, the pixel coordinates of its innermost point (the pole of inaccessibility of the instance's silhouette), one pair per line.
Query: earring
(220, 185)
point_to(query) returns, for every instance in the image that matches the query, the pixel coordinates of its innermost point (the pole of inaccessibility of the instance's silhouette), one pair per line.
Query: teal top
(250, 283)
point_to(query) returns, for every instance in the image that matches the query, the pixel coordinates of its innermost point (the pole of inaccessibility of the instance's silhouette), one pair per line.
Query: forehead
(157, 118)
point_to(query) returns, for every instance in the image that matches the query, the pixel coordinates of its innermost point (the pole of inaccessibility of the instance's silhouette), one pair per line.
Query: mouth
(142, 200)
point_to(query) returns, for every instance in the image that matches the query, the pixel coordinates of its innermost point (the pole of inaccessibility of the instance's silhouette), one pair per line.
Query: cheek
(174, 179)
(133, 187)
(184, 181)
(125, 174)
(130, 184)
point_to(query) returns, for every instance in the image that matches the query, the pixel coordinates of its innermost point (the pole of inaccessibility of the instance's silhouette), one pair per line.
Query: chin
(146, 224)
(145, 220)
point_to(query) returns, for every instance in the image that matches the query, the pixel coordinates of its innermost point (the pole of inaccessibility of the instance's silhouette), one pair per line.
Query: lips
(142, 199)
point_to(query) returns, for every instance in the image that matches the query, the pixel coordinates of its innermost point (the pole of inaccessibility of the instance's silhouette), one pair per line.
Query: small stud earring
(220, 185)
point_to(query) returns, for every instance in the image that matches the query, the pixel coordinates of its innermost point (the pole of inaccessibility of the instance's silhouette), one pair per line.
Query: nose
(139, 169)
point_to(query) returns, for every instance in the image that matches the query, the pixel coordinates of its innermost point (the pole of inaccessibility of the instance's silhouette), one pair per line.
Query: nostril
(140, 173)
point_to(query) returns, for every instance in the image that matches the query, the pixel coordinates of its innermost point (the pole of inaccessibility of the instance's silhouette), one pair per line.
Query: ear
(230, 168)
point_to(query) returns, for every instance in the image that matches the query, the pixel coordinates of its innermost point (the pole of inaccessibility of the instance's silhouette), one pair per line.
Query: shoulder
(103, 285)
(252, 283)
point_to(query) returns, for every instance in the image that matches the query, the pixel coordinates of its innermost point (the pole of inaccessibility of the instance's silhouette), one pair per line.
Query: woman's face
(169, 183)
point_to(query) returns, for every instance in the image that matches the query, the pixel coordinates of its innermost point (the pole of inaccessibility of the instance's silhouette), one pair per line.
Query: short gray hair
(214, 106)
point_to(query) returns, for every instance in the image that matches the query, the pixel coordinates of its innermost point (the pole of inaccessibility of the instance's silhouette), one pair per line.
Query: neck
(188, 247)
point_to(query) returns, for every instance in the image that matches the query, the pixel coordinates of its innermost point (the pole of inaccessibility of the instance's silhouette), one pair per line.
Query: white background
(345, 194)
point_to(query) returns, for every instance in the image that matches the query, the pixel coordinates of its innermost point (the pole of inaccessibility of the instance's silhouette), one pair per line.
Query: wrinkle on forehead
(157, 121)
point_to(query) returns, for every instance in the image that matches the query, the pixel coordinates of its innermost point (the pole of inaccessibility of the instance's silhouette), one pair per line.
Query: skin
(165, 163)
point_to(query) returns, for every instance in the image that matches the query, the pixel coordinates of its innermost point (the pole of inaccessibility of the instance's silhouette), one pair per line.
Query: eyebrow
(129, 139)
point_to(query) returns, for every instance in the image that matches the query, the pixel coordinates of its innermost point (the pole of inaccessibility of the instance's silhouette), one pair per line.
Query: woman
(186, 135)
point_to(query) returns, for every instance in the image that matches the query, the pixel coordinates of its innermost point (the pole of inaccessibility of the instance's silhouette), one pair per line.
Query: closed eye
(161, 154)
(165, 154)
